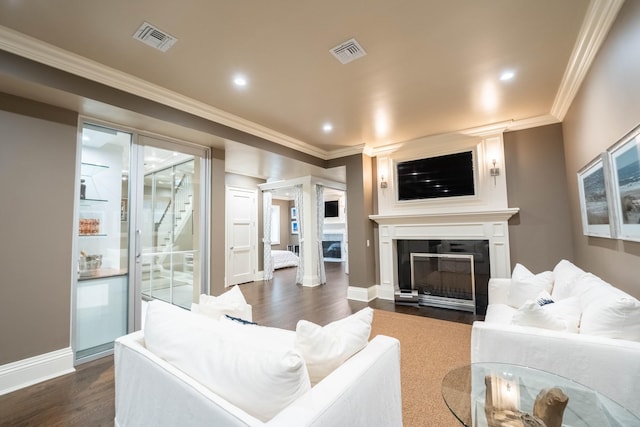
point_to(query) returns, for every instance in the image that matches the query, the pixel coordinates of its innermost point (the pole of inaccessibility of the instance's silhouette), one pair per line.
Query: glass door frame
(134, 214)
(137, 196)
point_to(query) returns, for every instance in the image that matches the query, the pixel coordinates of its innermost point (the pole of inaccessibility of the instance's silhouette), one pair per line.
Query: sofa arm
(609, 366)
(150, 391)
(364, 391)
(499, 290)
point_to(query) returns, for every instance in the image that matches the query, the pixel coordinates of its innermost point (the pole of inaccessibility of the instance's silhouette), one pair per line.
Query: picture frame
(625, 176)
(294, 213)
(294, 227)
(594, 185)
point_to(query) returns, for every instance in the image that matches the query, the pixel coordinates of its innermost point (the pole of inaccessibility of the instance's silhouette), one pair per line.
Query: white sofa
(584, 349)
(362, 391)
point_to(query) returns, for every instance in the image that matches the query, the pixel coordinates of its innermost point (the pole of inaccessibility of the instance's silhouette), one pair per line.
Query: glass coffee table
(498, 394)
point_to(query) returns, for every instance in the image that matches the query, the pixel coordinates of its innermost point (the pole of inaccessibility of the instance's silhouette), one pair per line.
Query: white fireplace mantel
(446, 218)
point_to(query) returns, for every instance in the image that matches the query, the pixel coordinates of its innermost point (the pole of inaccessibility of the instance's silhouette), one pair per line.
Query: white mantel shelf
(447, 217)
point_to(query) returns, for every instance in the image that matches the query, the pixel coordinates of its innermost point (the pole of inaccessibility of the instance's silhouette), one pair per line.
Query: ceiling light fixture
(327, 127)
(240, 81)
(507, 75)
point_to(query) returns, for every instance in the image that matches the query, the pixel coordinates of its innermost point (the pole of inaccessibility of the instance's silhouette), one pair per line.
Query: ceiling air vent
(348, 51)
(154, 37)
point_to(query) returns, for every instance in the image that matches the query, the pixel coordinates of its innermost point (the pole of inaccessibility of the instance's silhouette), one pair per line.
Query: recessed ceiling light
(507, 75)
(327, 127)
(240, 81)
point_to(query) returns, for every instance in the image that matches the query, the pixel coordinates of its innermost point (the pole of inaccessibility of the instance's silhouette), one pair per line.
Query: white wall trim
(362, 294)
(26, 372)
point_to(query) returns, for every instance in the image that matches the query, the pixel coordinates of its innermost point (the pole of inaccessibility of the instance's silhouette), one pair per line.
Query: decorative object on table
(502, 406)
(83, 190)
(594, 185)
(550, 405)
(625, 171)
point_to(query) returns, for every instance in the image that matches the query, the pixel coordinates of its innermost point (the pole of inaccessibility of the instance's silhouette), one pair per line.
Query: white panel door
(242, 213)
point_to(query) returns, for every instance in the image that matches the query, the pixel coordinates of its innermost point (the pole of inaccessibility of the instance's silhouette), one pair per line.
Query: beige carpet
(429, 349)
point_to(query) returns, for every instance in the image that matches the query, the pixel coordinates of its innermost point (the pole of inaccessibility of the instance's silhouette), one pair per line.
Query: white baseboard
(362, 294)
(386, 293)
(26, 372)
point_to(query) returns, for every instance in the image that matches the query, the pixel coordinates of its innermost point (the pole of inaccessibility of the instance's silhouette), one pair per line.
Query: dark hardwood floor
(86, 397)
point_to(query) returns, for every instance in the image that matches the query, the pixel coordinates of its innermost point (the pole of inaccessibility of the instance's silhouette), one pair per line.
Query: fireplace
(484, 235)
(444, 273)
(332, 250)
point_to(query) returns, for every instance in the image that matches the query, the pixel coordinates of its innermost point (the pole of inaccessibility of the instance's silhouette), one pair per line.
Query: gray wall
(359, 196)
(540, 234)
(37, 181)
(606, 108)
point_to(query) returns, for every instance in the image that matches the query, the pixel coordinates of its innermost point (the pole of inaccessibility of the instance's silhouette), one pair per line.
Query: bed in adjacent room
(283, 259)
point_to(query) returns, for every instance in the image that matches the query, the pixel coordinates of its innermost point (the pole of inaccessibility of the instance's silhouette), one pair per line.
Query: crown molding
(595, 27)
(533, 122)
(36, 50)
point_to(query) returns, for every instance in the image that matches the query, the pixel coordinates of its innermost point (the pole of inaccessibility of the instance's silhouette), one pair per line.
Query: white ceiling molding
(44, 53)
(596, 25)
(533, 122)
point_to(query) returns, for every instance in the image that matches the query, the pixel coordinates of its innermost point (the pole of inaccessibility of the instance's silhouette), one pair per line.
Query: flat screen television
(331, 209)
(450, 175)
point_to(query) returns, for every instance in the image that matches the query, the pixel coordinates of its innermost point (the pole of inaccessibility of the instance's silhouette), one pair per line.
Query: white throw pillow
(231, 302)
(531, 314)
(592, 289)
(614, 318)
(326, 348)
(564, 275)
(568, 310)
(526, 286)
(260, 377)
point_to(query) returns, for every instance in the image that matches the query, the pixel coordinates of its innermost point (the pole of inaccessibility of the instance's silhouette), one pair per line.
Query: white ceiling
(432, 66)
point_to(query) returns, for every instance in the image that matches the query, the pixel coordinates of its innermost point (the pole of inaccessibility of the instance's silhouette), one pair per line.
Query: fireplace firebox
(444, 273)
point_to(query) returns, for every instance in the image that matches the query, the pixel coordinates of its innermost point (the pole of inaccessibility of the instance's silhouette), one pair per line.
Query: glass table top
(499, 394)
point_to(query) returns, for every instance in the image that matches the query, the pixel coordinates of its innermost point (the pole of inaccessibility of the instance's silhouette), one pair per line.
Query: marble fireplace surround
(482, 225)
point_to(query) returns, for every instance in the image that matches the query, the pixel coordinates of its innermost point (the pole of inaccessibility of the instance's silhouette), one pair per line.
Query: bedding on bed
(282, 259)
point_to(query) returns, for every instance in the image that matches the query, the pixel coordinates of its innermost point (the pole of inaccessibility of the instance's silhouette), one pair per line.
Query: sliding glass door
(142, 227)
(171, 227)
(101, 291)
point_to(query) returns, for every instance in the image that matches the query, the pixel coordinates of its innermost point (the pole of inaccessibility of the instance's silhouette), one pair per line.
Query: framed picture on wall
(294, 213)
(625, 171)
(294, 227)
(595, 195)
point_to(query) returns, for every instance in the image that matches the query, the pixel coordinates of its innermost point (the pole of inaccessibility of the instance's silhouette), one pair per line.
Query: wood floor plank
(86, 397)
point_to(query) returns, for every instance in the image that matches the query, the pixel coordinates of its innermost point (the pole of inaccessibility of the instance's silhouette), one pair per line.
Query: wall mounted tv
(331, 209)
(450, 175)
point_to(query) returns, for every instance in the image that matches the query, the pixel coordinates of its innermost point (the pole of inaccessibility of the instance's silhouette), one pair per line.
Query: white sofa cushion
(231, 303)
(499, 313)
(564, 275)
(526, 286)
(259, 376)
(326, 348)
(613, 318)
(568, 310)
(532, 314)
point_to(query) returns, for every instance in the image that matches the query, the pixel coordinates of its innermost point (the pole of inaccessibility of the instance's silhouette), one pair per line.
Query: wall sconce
(494, 171)
(383, 182)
